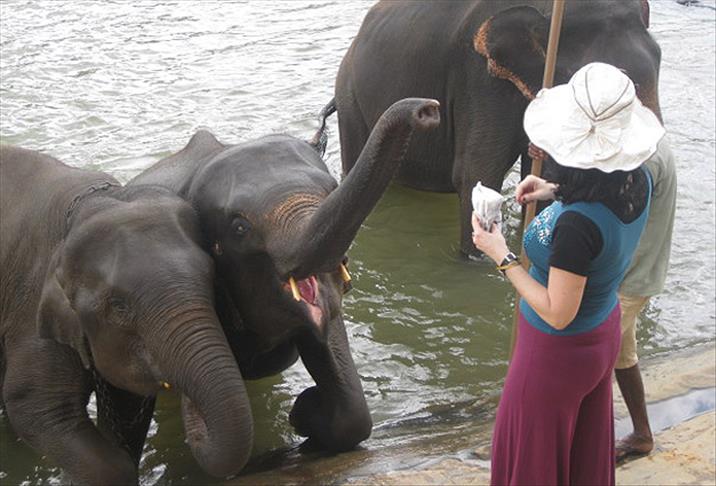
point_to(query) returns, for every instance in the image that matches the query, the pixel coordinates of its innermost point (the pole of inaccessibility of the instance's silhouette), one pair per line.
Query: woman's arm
(558, 303)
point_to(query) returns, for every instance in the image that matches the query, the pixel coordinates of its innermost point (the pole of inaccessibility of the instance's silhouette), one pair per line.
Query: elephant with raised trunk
(278, 226)
(107, 288)
(483, 60)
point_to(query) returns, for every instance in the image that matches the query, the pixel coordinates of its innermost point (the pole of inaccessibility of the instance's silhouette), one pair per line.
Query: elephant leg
(46, 391)
(486, 147)
(353, 131)
(525, 170)
(123, 417)
(525, 164)
(334, 414)
(491, 177)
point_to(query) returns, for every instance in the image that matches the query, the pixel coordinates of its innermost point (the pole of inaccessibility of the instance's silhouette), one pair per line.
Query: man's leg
(640, 441)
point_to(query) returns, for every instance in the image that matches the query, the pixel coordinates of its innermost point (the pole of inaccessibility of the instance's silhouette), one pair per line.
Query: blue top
(605, 271)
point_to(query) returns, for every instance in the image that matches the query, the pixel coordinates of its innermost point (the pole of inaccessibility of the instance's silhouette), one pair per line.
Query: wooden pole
(547, 82)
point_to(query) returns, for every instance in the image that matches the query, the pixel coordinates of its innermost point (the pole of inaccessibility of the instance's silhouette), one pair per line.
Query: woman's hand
(533, 188)
(491, 243)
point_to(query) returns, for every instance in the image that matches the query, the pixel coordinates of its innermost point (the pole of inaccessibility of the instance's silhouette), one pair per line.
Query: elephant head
(511, 45)
(514, 42)
(279, 226)
(130, 289)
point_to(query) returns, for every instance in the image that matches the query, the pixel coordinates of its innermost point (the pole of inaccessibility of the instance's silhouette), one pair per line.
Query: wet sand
(454, 447)
(685, 453)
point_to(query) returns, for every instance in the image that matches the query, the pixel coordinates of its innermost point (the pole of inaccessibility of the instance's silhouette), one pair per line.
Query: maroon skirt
(555, 422)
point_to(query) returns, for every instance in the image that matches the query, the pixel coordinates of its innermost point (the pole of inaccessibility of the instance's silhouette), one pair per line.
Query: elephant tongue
(308, 289)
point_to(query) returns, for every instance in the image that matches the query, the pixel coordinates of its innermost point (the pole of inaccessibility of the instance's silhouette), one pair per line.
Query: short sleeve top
(604, 272)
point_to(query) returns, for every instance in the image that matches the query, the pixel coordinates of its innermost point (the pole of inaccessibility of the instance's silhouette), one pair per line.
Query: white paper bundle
(487, 205)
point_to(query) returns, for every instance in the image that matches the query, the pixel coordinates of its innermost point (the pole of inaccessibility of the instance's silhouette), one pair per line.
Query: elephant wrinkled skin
(107, 288)
(483, 60)
(278, 227)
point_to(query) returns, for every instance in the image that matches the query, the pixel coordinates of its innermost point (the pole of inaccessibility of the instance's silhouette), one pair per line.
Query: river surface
(117, 85)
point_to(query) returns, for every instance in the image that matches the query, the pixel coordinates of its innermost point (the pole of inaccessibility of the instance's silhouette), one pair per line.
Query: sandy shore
(685, 453)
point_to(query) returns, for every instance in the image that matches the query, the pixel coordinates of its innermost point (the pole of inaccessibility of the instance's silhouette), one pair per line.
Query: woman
(554, 423)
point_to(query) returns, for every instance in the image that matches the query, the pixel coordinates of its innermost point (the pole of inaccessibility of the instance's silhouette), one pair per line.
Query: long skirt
(555, 421)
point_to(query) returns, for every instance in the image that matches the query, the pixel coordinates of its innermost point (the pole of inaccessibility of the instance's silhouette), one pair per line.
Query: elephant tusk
(165, 385)
(344, 273)
(294, 289)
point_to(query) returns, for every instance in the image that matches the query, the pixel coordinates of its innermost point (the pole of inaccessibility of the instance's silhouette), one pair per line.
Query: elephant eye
(118, 306)
(240, 226)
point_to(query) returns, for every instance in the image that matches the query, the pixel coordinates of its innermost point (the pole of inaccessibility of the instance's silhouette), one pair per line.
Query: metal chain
(116, 424)
(102, 394)
(79, 197)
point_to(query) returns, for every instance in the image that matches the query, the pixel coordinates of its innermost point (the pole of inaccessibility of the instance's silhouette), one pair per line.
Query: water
(116, 85)
(672, 411)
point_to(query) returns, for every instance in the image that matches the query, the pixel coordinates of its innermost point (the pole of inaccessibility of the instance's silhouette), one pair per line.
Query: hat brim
(550, 113)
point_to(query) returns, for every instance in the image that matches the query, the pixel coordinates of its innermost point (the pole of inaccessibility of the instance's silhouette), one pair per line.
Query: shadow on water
(461, 431)
(672, 411)
(453, 430)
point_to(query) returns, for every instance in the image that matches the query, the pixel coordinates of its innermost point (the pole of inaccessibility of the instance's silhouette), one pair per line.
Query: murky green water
(117, 85)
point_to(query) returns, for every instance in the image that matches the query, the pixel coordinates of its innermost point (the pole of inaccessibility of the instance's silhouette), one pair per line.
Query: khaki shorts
(631, 307)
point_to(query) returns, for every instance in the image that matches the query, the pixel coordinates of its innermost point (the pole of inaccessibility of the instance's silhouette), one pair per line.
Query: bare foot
(632, 446)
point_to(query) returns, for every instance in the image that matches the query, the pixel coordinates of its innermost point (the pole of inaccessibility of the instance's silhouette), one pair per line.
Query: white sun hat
(595, 121)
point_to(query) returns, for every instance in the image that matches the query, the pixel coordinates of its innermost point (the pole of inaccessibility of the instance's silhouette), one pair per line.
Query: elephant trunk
(326, 237)
(334, 413)
(196, 358)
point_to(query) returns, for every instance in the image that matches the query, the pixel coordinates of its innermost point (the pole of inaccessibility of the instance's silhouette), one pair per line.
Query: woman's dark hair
(624, 192)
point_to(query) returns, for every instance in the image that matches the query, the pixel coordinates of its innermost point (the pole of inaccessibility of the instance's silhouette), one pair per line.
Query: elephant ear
(645, 12)
(56, 319)
(514, 42)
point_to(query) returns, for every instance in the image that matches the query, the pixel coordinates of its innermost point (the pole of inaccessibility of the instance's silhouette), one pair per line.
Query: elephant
(107, 288)
(483, 60)
(278, 227)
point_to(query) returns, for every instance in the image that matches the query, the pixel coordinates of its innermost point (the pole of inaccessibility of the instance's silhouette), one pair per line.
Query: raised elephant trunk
(326, 237)
(195, 357)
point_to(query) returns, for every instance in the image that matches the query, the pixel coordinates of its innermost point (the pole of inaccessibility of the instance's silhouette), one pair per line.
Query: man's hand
(535, 152)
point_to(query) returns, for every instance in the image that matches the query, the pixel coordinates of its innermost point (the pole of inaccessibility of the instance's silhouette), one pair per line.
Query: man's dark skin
(641, 440)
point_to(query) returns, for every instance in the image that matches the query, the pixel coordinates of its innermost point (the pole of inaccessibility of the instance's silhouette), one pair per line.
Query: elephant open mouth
(306, 291)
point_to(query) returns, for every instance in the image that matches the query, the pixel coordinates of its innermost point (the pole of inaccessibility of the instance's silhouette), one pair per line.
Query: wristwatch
(510, 260)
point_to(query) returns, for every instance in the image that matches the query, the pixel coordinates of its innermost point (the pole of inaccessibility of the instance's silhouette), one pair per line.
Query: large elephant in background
(107, 288)
(278, 227)
(483, 60)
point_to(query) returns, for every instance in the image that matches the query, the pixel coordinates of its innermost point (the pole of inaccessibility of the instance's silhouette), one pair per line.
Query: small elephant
(278, 227)
(107, 288)
(483, 60)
